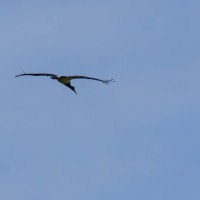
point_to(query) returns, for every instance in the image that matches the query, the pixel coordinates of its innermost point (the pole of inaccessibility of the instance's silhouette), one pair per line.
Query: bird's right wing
(86, 77)
(36, 74)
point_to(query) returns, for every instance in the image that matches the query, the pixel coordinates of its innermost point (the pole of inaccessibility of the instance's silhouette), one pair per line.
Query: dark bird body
(66, 80)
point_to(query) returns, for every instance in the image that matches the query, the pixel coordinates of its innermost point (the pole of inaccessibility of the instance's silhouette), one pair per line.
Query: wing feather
(86, 77)
(36, 74)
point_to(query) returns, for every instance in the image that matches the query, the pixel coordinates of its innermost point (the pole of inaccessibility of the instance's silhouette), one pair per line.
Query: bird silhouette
(65, 80)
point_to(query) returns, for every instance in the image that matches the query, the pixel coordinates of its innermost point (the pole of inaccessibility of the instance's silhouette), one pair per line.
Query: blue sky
(135, 139)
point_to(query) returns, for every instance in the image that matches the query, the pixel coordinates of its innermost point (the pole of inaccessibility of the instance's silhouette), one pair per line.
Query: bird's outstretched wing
(36, 74)
(86, 77)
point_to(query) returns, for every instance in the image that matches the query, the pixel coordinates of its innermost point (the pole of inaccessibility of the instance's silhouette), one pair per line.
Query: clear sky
(138, 138)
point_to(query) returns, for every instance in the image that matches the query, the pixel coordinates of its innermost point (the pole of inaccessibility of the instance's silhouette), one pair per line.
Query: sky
(137, 138)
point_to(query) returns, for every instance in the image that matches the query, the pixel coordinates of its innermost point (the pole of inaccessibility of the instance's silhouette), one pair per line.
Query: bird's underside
(65, 80)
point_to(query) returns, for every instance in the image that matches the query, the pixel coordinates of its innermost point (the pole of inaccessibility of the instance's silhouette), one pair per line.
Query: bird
(65, 80)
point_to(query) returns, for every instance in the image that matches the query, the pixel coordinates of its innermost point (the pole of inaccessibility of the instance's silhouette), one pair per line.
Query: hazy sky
(138, 138)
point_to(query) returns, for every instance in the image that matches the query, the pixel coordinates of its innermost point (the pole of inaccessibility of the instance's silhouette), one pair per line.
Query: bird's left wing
(86, 77)
(36, 74)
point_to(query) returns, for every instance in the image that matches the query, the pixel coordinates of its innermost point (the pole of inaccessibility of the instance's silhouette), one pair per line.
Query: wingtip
(109, 81)
(17, 75)
(112, 80)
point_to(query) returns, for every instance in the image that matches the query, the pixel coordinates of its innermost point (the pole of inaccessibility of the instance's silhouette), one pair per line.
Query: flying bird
(66, 80)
